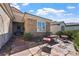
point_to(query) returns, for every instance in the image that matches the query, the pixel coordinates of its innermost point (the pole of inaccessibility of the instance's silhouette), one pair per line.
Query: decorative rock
(56, 52)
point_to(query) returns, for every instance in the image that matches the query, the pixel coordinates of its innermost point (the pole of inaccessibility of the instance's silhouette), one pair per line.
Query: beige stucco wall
(18, 17)
(5, 27)
(56, 27)
(30, 27)
(28, 23)
(48, 25)
(7, 9)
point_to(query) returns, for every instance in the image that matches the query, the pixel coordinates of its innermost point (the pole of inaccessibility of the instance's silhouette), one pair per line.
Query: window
(41, 26)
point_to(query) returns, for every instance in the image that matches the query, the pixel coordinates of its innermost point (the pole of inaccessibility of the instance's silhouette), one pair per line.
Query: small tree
(27, 36)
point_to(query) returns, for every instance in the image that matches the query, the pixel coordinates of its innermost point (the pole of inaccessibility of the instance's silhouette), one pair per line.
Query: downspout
(24, 21)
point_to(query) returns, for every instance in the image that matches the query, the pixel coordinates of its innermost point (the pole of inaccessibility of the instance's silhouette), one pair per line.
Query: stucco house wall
(18, 16)
(48, 23)
(57, 26)
(5, 25)
(31, 21)
(54, 28)
(61, 26)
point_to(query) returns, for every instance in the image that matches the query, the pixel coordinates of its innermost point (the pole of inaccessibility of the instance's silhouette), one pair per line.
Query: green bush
(76, 40)
(27, 36)
(69, 34)
(73, 36)
(47, 34)
(60, 33)
(38, 38)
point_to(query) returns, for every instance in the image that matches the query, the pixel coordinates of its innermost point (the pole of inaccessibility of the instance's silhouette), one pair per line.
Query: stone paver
(34, 50)
(19, 45)
(44, 54)
(56, 50)
(27, 52)
(27, 48)
(22, 53)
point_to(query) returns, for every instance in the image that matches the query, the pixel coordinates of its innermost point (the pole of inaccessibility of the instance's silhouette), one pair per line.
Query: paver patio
(19, 45)
(30, 48)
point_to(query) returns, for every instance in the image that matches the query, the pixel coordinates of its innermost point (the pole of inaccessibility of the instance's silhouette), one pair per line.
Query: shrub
(60, 33)
(76, 40)
(27, 36)
(73, 35)
(38, 38)
(48, 34)
(69, 34)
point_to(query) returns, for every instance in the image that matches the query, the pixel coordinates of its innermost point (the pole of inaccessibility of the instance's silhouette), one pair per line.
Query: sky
(67, 12)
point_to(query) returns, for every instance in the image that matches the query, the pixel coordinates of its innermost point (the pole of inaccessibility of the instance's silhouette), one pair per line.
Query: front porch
(18, 28)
